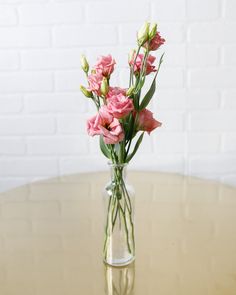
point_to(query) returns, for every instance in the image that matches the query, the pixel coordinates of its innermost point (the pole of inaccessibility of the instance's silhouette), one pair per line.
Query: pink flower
(155, 43)
(146, 122)
(93, 125)
(138, 64)
(95, 81)
(105, 124)
(120, 106)
(111, 128)
(105, 65)
(115, 91)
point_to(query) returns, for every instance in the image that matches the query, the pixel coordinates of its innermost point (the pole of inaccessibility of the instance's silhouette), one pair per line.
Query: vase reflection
(119, 280)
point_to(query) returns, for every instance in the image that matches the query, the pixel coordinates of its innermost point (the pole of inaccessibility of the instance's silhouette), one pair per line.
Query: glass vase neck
(118, 169)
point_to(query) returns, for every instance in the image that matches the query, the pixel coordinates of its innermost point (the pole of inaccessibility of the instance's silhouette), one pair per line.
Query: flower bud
(143, 34)
(130, 91)
(152, 30)
(131, 56)
(85, 91)
(84, 64)
(104, 87)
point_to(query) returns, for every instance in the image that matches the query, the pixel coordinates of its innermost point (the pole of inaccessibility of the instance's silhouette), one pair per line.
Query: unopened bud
(84, 64)
(85, 91)
(130, 91)
(131, 56)
(104, 87)
(143, 33)
(152, 30)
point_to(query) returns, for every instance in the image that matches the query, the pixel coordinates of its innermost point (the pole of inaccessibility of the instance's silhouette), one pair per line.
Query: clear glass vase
(119, 243)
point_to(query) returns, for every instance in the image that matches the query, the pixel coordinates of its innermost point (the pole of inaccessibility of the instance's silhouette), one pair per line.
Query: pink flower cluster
(117, 104)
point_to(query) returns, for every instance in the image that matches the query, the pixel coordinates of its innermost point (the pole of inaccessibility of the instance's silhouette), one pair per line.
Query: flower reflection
(119, 280)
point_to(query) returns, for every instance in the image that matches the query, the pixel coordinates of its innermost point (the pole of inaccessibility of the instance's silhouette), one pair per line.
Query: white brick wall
(43, 114)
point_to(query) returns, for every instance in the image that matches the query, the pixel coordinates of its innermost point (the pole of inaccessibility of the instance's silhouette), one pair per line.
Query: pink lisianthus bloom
(115, 91)
(105, 124)
(95, 81)
(146, 122)
(105, 65)
(138, 64)
(120, 106)
(155, 43)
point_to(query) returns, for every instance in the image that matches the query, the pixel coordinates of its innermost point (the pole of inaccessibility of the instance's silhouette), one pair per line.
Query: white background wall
(42, 113)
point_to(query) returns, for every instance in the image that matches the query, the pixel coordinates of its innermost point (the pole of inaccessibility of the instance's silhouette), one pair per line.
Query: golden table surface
(51, 238)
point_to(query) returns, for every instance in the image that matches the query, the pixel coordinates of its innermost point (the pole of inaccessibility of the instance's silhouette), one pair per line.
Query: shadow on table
(119, 280)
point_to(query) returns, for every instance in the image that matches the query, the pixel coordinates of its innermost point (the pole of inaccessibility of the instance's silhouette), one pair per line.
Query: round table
(51, 238)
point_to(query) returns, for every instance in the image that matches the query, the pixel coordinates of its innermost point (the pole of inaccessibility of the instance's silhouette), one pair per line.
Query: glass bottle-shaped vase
(119, 243)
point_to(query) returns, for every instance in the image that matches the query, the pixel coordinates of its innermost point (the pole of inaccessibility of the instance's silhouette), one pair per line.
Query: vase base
(119, 262)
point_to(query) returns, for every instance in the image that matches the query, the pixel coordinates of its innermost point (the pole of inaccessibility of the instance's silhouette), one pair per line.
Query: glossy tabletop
(51, 238)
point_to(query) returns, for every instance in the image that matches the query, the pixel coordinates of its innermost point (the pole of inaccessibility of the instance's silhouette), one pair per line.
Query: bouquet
(121, 121)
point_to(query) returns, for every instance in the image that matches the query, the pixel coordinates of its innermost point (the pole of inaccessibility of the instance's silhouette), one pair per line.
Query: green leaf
(104, 148)
(148, 95)
(152, 89)
(130, 156)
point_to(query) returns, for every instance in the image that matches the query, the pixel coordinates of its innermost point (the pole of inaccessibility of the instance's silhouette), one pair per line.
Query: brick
(24, 37)
(168, 10)
(229, 99)
(170, 77)
(28, 167)
(213, 121)
(173, 142)
(121, 11)
(67, 80)
(82, 164)
(55, 103)
(9, 60)
(212, 78)
(84, 35)
(57, 145)
(51, 59)
(229, 55)
(12, 146)
(202, 55)
(175, 55)
(170, 99)
(215, 32)
(203, 10)
(229, 143)
(216, 164)
(10, 104)
(27, 125)
(167, 162)
(172, 32)
(230, 10)
(25, 82)
(171, 120)
(202, 99)
(203, 143)
(7, 15)
(72, 124)
(50, 13)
